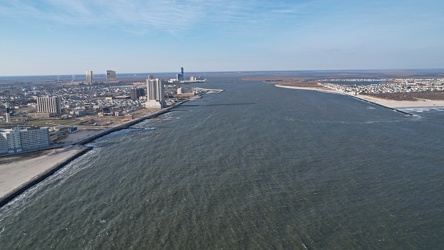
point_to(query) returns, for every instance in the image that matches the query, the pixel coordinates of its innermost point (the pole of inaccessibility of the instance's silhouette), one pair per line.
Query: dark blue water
(255, 167)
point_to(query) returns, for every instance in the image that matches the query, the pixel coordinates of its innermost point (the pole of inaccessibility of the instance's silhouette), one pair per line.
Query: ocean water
(254, 167)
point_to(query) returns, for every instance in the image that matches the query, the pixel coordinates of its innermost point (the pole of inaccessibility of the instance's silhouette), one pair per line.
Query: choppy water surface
(254, 167)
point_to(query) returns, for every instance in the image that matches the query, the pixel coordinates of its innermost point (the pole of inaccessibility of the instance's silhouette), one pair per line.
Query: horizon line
(232, 71)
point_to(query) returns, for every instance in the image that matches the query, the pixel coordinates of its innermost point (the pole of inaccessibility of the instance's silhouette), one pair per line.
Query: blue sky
(41, 37)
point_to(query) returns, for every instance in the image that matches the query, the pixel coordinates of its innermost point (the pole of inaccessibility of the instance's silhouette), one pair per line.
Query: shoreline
(18, 176)
(391, 104)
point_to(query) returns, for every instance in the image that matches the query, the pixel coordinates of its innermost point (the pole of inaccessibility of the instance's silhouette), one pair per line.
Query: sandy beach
(384, 102)
(18, 173)
(320, 89)
(403, 104)
(80, 134)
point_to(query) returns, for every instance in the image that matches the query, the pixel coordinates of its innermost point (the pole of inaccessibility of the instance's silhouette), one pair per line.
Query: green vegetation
(44, 123)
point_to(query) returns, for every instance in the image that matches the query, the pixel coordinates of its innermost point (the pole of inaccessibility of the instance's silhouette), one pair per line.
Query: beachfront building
(49, 105)
(155, 93)
(17, 140)
(180, 90)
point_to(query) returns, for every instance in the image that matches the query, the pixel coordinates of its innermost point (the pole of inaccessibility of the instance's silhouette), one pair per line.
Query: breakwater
(380, 105)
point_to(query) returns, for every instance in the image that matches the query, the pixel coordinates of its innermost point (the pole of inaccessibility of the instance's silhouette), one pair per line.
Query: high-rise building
(89, 77)
(10, 141)
(18, 140)
(51, 105)
(154, 93)
(8, 113)
(136, 93)
(181, 76)
(111, 76)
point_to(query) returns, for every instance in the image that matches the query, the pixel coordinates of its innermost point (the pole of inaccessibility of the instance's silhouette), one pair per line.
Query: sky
(50, 37)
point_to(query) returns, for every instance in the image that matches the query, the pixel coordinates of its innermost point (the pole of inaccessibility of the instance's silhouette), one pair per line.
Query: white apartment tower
(154, 93)
(8, 113)
(89, 77)
(51, 105)
(17, 140)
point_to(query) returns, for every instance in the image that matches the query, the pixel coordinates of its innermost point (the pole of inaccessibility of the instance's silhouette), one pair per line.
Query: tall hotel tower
(89, 77)
(154, 93)
(181, 76)
(111, 76)
(51, 105)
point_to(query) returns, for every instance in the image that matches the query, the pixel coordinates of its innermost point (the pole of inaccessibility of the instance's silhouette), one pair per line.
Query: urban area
(41, 116)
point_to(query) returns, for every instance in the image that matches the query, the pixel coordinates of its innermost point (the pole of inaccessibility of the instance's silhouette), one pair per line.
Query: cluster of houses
(395, 86)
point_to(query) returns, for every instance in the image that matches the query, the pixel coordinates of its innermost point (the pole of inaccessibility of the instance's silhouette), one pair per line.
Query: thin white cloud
(332, 50)
(286, 11)
(169, 15)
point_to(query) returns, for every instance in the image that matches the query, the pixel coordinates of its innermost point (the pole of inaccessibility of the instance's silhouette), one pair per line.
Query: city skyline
(65, 37)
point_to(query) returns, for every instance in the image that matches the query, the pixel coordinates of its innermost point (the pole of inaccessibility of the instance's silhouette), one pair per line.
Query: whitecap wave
(422, 109)
(33, 194)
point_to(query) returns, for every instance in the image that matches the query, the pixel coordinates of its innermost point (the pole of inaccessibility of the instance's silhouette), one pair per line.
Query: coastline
(16, 177)
(19, 175)
(392, 104)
